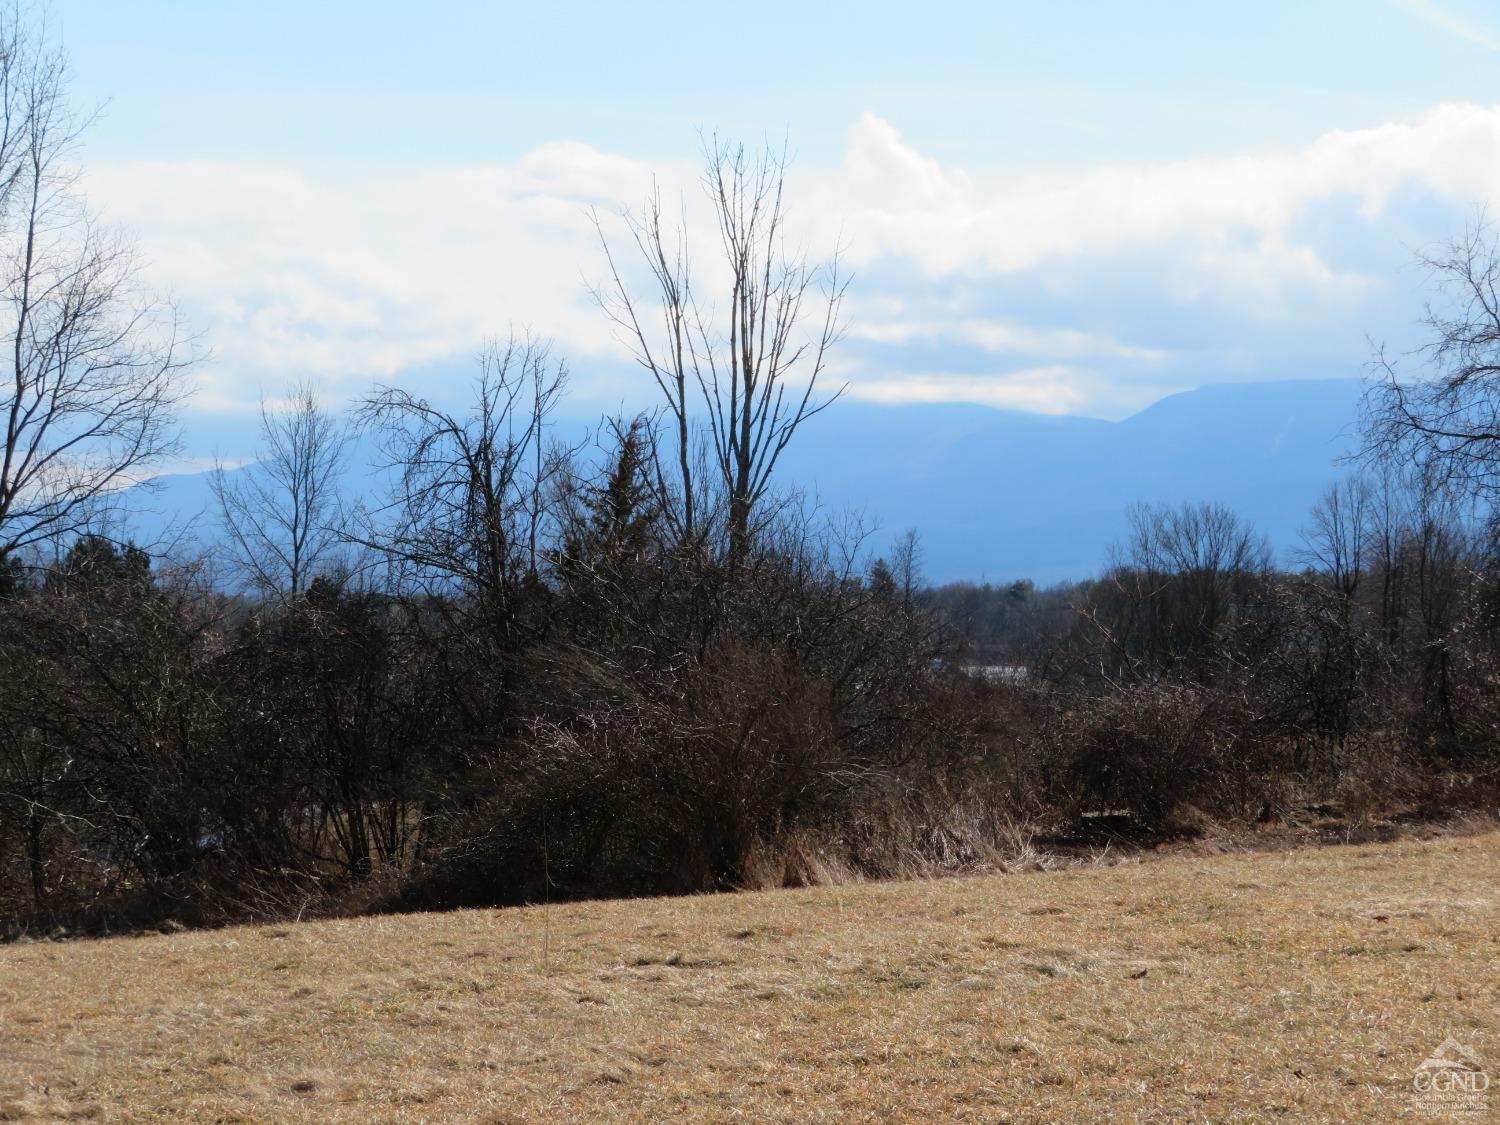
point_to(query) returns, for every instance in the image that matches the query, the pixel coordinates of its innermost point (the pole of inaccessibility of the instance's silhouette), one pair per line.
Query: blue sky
(989, 84)
(1067, 207)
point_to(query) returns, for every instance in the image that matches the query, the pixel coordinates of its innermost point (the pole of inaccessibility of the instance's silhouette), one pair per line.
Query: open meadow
(1303, 984)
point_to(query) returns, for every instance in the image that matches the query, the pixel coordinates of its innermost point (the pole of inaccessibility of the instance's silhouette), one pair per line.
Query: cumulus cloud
(899, 201)
(1062, 290)
(355, 275)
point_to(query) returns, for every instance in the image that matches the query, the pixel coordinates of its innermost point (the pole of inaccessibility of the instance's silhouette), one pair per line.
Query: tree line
(539, 669)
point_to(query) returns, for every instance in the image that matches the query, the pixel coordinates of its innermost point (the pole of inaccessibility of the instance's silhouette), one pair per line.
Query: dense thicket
(530, 685)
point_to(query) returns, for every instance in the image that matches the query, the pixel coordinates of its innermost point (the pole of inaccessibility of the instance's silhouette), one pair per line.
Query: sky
(1063, 207)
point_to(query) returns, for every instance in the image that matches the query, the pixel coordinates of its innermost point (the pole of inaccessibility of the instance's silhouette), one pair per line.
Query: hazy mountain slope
(1005, 494)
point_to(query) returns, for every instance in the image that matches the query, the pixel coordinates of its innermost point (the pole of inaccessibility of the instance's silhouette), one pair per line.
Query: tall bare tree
(91, 369)
(742, 371)
(282, 515)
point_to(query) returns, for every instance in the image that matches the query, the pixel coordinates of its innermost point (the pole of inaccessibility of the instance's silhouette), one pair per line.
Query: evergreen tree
(883, 580)
(618, 528)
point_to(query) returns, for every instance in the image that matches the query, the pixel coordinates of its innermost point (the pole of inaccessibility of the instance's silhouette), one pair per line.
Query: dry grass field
(1302, 985)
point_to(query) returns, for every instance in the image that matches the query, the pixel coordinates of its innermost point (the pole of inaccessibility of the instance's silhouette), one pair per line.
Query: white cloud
(999, 336)
(1044, 390)
(896, 200)
(359, 276)
(353, 274)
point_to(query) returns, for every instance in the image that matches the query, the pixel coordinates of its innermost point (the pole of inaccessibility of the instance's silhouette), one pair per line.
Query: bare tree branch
(1447, 421)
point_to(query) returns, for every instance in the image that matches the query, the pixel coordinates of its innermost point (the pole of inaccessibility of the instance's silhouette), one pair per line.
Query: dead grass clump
(917, 832)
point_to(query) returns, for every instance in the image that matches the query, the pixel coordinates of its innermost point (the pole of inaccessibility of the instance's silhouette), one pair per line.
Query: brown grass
(1306, 985)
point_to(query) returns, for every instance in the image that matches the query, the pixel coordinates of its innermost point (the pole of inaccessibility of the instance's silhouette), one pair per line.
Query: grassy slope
(1307, 984)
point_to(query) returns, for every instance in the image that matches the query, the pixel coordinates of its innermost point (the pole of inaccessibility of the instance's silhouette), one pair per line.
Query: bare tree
(1180, 579)
(472, 491)
(1448, 422)
(1335, 541)
(1387, 522)
(746, 370)
(282, 515)
(1206, 540)
(906, 565)
(91, 372)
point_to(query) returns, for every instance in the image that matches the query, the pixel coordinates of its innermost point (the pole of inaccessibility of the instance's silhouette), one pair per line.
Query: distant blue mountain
(1003, 494)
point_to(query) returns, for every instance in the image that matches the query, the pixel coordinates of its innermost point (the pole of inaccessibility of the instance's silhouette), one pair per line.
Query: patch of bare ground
(1298, 985)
